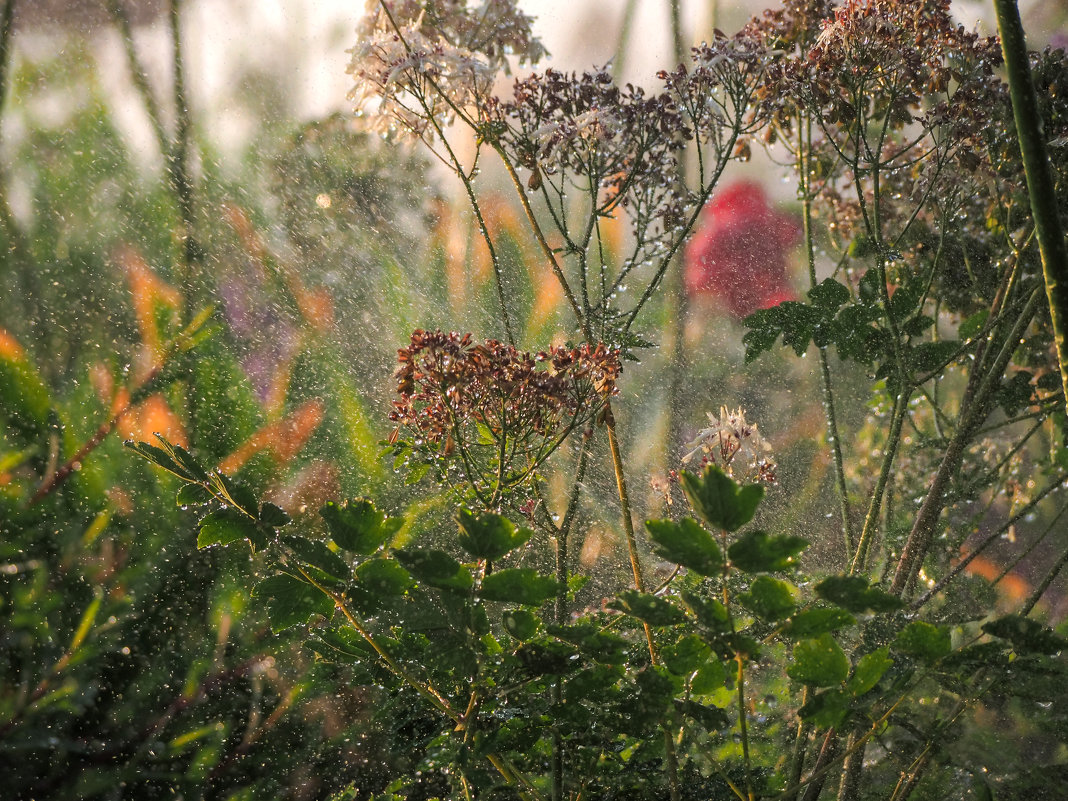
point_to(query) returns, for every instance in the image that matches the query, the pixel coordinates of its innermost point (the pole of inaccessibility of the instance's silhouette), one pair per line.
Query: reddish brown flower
(738, 255)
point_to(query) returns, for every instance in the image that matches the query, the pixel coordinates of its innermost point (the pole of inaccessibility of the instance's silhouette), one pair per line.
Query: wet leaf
(923, 640)
(649, 608)
(520, 623)
(686, 543)
(685, 656)
(720, 501)
(819, 662)
(853, 594)
(759, 552)
(770, 599)
(1026, 635)
(357, 526)
(826, 709)
(489, 536)
(869, 670)
(383, 577)
(318, 555)
(812, 622)
(227, 525)
(291, 602)
(518, 585)
(435, 568)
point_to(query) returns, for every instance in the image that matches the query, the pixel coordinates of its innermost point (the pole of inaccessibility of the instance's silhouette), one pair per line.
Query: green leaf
(758, 552)
(711, 676)
(1026, 635)
(853, 594)
(826, 709)
(930, 356)
(193, 495)
(710, 612)
(813, 622)
(685, 656)
(518, 585)
(972, 325)
(923, 640)
(236, 493)
(602, 646)
(819, 662)
(435, 568)
(712, 718)
(520, 623)
(770, 599)
(290, 601)
(273, 516)
(384, 577)
(829, 294)
(227, 525)
(719, 500)
(341, 645)
(317, 554)
(489, 536)
(686, 543)
(869, 670)
(648, 608)
(357, 526)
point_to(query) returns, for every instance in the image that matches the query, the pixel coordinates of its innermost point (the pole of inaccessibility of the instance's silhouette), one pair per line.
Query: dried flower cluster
(734, 444)
(417, 65)
(496, 410)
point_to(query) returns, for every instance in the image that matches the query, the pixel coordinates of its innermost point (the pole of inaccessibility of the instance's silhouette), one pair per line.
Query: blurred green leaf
(686, 655)
(826, 709)
(384, 577)
(317, 554)
(1026, 635)
(357, 526)
(812, 622)
(227, 525)
(869, 670)
(819, 662)
(520, 623)
(924, 640)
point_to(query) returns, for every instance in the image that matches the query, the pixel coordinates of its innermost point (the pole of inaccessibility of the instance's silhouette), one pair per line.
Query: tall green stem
(7, 29)
(1040, 188)
(804, 166)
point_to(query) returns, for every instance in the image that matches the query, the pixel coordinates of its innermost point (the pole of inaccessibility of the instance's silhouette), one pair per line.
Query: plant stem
(1044, 206)
(7, 219)
(804, 167)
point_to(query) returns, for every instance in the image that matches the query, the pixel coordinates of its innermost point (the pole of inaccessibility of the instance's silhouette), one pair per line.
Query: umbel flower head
(735, 445)
(496, 412)
(419, 64)
(738, 255)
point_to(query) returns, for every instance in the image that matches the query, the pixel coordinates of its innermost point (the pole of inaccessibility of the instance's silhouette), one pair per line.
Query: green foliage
(718, 500)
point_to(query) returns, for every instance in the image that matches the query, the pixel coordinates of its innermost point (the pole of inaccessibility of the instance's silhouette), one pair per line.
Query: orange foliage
(283, 438)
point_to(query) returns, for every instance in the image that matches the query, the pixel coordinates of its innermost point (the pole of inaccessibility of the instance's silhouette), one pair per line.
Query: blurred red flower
(738, 254)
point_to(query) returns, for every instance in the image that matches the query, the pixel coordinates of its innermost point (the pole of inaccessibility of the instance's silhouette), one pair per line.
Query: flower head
(734, 444)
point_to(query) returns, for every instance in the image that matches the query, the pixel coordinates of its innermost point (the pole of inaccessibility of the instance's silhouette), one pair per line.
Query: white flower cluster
(418, 62)
(732, 443)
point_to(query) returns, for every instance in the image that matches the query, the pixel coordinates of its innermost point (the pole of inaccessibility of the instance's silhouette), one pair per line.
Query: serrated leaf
(384, 577)
(193, 495)
(520, 623)
(685, 656)
(770, 599)
(869, 670)
(649, 608)
(829, 294)
(357, 526)
(710, 612)
(819, 662)
(1026, 635)
(826, 709)
(237, 493)
(686, 543)
(518, 585)
(759, 552)
(489, 535)
(853, 594)
(972, 325)
(719, 500)
(227, 525)
(923, 640)
(318, 555)
(813, 622)
(291, 602)
(435, 568)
